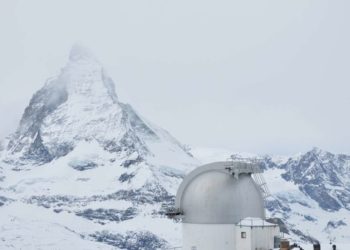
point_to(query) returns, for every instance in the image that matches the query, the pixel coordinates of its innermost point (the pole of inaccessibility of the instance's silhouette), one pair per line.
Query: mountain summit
(81, 104)
(79, 52)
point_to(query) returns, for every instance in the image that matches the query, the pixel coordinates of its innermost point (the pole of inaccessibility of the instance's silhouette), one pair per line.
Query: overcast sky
(253, 76)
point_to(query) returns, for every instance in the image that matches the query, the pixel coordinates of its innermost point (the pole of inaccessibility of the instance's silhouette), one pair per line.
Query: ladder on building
(260, 181)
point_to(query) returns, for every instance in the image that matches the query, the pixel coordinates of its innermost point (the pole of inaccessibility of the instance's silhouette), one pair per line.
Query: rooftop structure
(222, 207)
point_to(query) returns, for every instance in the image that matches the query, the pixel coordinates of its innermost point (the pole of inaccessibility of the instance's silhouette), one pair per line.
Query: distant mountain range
(85, 171)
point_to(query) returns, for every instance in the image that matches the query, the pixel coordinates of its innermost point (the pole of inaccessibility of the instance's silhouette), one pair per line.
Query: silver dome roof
(220, 193)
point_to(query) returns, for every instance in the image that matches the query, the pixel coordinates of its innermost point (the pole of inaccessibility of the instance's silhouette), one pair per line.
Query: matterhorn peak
(80, 52)
(80, 105)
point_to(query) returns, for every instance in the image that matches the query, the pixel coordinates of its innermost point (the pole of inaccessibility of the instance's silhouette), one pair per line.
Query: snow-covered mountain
(80, 105)
(316, 203)
(323, 176)
(86, 171)
(82, 166)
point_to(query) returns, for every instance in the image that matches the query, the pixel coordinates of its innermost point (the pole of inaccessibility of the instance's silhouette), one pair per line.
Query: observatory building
(222, 207)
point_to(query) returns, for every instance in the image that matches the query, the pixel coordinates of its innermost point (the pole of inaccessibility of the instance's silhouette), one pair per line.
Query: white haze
(255, 76)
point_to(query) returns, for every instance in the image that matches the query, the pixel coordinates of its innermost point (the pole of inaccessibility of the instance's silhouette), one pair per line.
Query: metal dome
(220, 193)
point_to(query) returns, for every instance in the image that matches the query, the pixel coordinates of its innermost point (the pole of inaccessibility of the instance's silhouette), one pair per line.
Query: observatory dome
(217, 194)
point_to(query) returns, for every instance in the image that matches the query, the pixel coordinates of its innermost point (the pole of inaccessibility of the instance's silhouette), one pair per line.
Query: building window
(243, 235)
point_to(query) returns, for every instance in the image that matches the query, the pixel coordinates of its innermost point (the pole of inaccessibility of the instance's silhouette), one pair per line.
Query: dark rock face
(266, 163)
(126, 177)
(83, 165)
(335, 224)
(131, 240)
(109, 84)
(320, 194)
(43, 103)
(310, 218)
(304, 237)
(320, 175)
(62, 149)
(149, 194)
(104, 215)
(4, 200)
(277, 205)
(37, 152)
(291, 200)
(137, 123)
(129, 143)
(56, 201)
(129, 162)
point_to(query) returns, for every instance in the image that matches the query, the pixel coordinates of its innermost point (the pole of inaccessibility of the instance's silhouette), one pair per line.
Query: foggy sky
(253, 76)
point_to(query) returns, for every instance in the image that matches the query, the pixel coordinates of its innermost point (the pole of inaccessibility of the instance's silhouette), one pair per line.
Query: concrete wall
(208, 236)
(263, 238)
(243, 243)
(258, 238)
(227, 237)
